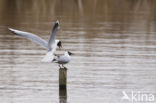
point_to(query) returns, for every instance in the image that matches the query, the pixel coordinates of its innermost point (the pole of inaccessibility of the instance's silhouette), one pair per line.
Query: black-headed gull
(51, 45)
(64, 59)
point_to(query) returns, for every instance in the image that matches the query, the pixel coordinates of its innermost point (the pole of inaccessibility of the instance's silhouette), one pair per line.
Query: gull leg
(59, 65)
(63, 66)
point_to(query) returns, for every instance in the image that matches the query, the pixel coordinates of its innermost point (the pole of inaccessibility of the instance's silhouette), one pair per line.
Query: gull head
(69, 53)
(59, 44)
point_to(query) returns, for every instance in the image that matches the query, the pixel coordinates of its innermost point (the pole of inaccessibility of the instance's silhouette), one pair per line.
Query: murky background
(114, 42)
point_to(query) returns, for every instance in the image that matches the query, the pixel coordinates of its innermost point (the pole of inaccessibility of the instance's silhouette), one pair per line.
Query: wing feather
(31, 37)
(53, 35)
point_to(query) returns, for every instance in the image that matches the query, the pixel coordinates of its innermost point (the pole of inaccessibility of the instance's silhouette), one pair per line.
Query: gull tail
(48, 57)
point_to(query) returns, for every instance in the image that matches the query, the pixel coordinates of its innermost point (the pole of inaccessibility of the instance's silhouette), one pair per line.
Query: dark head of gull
(70, 53)
(59, 44)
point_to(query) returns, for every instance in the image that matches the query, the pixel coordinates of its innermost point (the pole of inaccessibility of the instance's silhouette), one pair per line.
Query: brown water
(114, 42)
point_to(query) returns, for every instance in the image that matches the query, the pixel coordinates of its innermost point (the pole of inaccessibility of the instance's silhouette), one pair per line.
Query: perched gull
(51, 45)
(61, 60)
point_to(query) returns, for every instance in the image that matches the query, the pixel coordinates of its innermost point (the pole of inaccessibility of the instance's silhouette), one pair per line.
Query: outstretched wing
(53, 35)
(31, 37)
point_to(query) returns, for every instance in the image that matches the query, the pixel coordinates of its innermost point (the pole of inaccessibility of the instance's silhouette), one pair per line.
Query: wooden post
(62, 78)
(63, 85)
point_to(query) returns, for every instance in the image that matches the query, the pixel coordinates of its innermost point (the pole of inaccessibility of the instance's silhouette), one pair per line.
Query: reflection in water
(63, 85)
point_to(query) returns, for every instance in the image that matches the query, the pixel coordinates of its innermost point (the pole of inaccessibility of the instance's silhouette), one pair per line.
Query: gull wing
(48, 57)
(31, 37)
(53, 35)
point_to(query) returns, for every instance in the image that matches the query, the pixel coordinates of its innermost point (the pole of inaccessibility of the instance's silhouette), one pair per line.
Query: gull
(51, 45)
(64, 59)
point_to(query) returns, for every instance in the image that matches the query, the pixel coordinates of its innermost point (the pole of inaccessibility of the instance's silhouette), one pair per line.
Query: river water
(114, 42)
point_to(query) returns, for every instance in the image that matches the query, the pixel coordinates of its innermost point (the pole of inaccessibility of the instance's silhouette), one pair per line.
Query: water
(114, 44)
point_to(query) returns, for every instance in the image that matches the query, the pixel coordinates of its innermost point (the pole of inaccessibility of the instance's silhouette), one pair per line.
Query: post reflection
(63, 85)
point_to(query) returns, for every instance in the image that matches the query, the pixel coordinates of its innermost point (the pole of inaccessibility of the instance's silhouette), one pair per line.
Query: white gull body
(61, 60)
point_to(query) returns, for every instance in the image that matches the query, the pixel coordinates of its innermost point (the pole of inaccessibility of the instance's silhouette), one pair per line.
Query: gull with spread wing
(51, 45)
